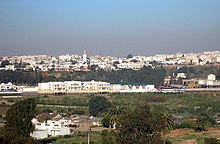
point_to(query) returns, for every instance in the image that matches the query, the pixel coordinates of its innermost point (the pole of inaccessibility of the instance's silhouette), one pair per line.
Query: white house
(50, 128)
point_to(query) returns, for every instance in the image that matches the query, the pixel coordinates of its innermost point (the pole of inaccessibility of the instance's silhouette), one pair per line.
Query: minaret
(84, 56)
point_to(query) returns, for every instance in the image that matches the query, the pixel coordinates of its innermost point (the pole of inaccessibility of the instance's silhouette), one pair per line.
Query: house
(50, 128)
(209, 82)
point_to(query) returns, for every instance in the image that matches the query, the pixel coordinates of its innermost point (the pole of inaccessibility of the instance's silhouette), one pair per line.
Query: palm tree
(201, 122)
(114, 115)
(168, 125)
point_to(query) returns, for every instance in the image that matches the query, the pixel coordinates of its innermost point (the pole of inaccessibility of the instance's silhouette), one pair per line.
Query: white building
(211, 77)
(68, 87)
(84, 57)
(210, 82)
(51, 128)
(74, 87)
(132, 87)
(181, 75)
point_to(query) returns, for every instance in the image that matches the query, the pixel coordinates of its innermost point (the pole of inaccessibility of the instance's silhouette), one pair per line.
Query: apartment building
(67, 87)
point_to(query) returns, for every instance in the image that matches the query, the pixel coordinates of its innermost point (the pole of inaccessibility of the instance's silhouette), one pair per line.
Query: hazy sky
(108, 27)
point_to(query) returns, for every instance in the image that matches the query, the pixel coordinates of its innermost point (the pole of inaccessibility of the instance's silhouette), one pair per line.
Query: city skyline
(115, 28)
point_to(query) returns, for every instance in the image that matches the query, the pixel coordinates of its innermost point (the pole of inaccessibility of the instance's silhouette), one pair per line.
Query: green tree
(218, 74)
(109, 137)
(98, 104)
(4, 63)
(114, 115)
(201, 123)
(106, 121)
(18, 119)
(168, 125)
(140, 126)
(47, 110)
(129, 56)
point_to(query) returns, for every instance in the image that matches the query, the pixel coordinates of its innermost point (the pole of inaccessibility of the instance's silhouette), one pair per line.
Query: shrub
(78, 111)
(105, 121)
(187, 125)
(46, 110)
(211, 141)
(168, 142)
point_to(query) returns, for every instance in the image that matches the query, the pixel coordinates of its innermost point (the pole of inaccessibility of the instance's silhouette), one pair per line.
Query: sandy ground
(212, 132)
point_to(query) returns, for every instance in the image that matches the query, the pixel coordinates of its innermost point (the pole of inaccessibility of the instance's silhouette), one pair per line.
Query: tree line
(150, 75)
(146, 74)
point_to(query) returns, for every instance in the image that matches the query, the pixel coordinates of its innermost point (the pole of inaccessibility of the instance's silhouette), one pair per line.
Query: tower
(84, 56)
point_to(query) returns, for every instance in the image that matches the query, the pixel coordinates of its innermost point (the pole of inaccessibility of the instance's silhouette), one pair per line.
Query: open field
(172, 103)
(186, 106)
(185, 136)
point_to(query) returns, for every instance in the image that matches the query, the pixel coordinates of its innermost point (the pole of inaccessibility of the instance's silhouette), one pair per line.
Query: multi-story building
(67, 87)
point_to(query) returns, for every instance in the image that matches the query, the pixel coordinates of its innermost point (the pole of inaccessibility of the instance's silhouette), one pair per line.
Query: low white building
(181, 75)
(211, 77)
(132, 87)
(50, 128)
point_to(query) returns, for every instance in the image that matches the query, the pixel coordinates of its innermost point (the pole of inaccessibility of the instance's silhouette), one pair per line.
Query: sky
(108, 27)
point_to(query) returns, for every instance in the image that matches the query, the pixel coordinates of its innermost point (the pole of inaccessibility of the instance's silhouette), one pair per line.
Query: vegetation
(146, 74)
(114, 114)
(150, 75)
(167, 125)
(98, 104)
(182, 109)
(201, 122)
(211, 141)
(140, 126)
(109, 137)
(18, 124)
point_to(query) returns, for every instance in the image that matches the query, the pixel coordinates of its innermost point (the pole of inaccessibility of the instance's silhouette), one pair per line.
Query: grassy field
(185, 136)
(186, 106)
(174, 103)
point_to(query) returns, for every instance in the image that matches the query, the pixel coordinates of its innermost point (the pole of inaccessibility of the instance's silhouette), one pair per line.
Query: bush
(79, 112)
(98, 104)
(45, 96)
(46, 110)
(10, 100)
(185, 125)
(211, 141)
(168, 142)
(105, 121)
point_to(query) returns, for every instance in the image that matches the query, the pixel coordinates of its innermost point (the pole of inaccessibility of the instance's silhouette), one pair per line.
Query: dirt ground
(212, 132)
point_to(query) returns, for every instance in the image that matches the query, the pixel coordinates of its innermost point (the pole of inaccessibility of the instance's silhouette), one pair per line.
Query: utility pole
(89, 129)
(88, 137)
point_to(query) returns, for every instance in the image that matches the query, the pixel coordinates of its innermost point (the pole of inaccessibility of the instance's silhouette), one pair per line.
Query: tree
(218, 74)
(201, 122)
(98, 104)
(4, 63)
(46, 110)
(129, 56)
(18, 119)
(109, 137)
(114, 115)
(168, 125)
(140, 126)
